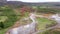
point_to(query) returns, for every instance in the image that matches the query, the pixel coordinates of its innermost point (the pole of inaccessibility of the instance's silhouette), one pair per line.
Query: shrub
(12, 17)
(1, 25)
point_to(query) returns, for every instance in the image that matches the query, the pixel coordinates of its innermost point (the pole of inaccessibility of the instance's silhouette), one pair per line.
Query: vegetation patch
(7, 18)
(44, 23)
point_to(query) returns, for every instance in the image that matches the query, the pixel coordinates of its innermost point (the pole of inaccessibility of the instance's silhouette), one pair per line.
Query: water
(25, 29)
(56, 18)
(14, 31)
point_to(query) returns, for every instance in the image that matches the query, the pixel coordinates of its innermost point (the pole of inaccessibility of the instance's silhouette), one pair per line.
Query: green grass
(3, 31)
(50, 32)
(42, 25)
(42, 22)
(3, 18)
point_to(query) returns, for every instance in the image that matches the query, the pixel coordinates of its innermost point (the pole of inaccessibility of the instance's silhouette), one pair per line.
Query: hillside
(18, 3)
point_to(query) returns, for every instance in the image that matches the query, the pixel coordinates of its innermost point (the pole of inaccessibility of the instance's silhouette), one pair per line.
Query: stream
(30, 28)
(24, 29)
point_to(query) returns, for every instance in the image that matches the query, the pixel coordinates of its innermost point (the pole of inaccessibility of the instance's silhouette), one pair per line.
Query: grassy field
(43, 22)
(3, 31)
(50, 32)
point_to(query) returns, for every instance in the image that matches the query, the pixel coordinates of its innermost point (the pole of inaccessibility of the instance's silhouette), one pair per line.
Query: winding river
(30, 28)
(24, 29)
